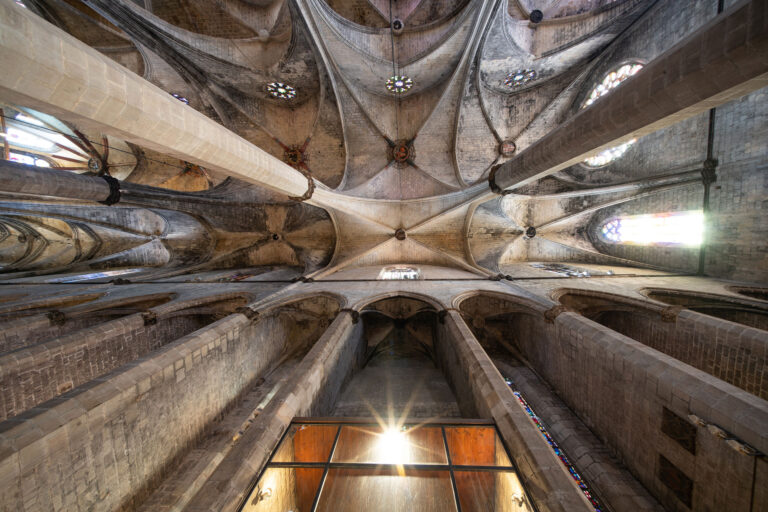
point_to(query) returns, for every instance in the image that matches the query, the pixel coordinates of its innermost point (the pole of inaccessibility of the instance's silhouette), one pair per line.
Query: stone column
(721, 61)
(49, 70)
(26, 179)
(475, 379)
(312, 389)
(612, 482)
(665, 419)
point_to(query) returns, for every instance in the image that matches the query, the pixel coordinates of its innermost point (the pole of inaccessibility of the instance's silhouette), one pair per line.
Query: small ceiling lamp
(261, 495)
(520, 77)
(397, 26)
(281, 91)
(399, 84)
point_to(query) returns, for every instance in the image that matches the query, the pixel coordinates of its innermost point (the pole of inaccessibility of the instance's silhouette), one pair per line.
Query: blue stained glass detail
(553, 444)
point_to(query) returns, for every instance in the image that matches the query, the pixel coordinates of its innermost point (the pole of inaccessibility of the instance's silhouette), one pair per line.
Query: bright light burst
(672, 228)
(392, 447)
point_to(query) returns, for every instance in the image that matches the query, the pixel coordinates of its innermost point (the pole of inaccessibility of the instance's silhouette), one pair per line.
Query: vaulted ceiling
(417, 160)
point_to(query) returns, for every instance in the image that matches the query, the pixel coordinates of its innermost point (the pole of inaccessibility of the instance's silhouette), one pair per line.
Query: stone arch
(733, 309)
(53, 301)
(723, 349)
(399, 372)
(53, 319)
(496, 319)
(283, 301)
(362, 304)
(753, 292)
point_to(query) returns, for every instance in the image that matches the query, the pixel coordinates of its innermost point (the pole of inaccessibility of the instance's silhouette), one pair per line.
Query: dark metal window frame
(342, 422)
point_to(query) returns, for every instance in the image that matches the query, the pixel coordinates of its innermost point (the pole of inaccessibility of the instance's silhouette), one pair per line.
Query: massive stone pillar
(49, 70)
(106, 444)
(665, 419)
(475, 380)
(613, 484)
(36, 181)
(311, 391)
(721, 61)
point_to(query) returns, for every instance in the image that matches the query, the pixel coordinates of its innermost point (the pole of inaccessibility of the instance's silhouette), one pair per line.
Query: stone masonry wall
(31, 376)
(621, 389)
(612, 483)
(31, 330)
(104, 445)
(728, 351)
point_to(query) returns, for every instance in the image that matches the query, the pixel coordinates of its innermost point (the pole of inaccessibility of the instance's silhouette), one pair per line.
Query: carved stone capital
(669, 314)
(56, 317)
(150, 317)
(250, 314)
(554, 312)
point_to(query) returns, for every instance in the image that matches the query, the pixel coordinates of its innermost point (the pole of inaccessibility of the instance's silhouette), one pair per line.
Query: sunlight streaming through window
(610, 82)
(673, 228)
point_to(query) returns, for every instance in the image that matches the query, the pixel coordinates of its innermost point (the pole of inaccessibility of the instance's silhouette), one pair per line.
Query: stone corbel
(709, 171)
(669, 314)
(150, 317)
(444, 313)
(554, 312)
(56, 317)
(355, 314)
(250, 314)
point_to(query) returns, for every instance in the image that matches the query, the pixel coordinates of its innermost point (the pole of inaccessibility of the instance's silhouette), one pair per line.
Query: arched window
(37, 139)
(400, 272)
(671, 228)
(610, 82)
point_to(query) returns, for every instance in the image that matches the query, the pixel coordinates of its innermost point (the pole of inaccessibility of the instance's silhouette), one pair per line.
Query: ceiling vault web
(421, 158)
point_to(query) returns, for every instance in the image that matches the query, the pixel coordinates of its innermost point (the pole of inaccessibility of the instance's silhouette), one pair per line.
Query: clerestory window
(610, 82)
(399, 273)
(670, 228)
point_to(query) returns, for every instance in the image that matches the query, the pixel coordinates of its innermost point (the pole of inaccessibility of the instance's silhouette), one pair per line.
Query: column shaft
(721, 61)
(26, 179)
(49, 70)
(474, 378)
(318, 377)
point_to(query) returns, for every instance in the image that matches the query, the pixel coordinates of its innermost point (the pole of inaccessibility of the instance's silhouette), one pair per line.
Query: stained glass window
(671, 228)
(33, 141)
(281, 91)
(609, 155)
(556, 448)
(520, 77)
(180, 98)
(395, 273)
(27, 159)
(611, 81)
(399, 84)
